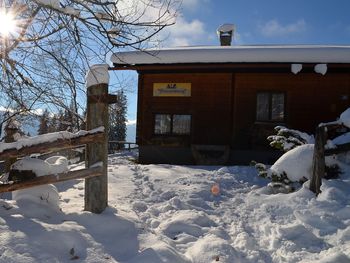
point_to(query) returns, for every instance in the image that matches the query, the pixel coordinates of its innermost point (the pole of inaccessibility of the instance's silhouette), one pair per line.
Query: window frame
(171, 133)
(270, 95)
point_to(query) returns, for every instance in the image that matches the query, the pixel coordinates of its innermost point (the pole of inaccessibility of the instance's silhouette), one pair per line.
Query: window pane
(277, 107)
(181, 124)
(262, 106)
(162, 123)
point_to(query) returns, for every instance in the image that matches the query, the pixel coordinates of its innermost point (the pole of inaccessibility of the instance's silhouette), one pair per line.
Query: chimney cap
(225, 28)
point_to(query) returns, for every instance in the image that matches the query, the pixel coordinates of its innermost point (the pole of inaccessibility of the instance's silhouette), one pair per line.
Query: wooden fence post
(318, 162)
(11, 129)
(96, 194)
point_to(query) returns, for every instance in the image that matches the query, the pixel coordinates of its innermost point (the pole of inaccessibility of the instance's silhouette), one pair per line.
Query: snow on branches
(45, 56)
(287, 139)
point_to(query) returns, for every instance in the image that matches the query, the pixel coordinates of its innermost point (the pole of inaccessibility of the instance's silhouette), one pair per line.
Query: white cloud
(130, 122)
(185, 33)
(182, 33)
(190, 4)
(193, 5)
(274, 28)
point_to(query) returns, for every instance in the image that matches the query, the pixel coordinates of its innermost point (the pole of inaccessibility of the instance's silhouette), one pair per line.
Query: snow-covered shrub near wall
(287, 139)
(345, 118)
(296, 164)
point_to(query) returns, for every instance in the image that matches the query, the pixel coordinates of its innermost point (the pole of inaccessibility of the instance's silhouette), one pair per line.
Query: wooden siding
(223, 105)
(209, 105)
(310, 99)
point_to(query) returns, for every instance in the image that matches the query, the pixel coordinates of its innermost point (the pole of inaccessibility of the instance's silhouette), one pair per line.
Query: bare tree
(45, 54)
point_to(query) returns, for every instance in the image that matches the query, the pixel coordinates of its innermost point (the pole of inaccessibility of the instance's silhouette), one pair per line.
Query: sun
(7, 24)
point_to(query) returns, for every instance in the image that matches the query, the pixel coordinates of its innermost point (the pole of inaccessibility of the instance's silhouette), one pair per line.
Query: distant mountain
(30, 124)
(131, 132)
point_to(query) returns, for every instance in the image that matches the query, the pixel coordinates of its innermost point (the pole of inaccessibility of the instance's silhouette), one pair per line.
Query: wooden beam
(53, 178)
(340, 149)
(59, 144)
(231, 67)
(318, 162)
(96, 189)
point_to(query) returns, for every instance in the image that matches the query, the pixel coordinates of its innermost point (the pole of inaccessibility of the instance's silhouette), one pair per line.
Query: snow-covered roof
(236, 54)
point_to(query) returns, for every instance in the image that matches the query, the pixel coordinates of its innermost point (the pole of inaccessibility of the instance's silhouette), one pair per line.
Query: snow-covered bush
(294, 168)
(296, 164)
(287, 139)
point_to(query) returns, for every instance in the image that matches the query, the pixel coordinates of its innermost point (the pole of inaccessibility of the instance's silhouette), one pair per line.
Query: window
(174, 124)
(270, 106)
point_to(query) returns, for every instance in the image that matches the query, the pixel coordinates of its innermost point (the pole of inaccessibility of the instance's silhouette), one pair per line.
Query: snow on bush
(344, 138)
(296, 163)
(345, 118)
(287, 139)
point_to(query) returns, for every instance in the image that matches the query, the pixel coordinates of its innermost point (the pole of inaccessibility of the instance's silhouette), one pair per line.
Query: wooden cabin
(216, 105)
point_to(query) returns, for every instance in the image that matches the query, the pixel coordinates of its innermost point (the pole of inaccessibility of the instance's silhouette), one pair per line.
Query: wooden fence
(44, 147)
(320, 152)
(96, 142)
(118, 145)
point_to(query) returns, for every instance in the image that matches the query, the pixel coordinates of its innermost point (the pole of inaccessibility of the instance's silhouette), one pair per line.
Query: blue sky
(257, 22)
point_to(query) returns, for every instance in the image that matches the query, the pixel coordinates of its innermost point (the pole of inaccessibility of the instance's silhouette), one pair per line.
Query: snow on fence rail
(50, 142)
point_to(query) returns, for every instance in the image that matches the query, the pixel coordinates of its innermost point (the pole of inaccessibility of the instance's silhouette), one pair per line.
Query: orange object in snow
(215, 189)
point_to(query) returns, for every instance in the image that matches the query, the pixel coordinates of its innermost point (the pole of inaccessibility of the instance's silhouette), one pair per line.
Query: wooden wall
(310, 99)
(223, 105)
(209, 105)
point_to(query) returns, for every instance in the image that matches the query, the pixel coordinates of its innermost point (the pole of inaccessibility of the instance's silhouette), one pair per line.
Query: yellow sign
(172, 89)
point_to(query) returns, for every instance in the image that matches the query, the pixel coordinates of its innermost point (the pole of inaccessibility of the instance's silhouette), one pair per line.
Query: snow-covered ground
(167, 213)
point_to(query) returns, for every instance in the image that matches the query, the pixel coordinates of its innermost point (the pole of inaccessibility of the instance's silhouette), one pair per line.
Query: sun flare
(7, 23)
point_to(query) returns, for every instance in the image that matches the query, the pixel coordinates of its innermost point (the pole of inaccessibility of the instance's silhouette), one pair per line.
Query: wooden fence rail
(53, 178)
(52, 146)
(120, 143)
